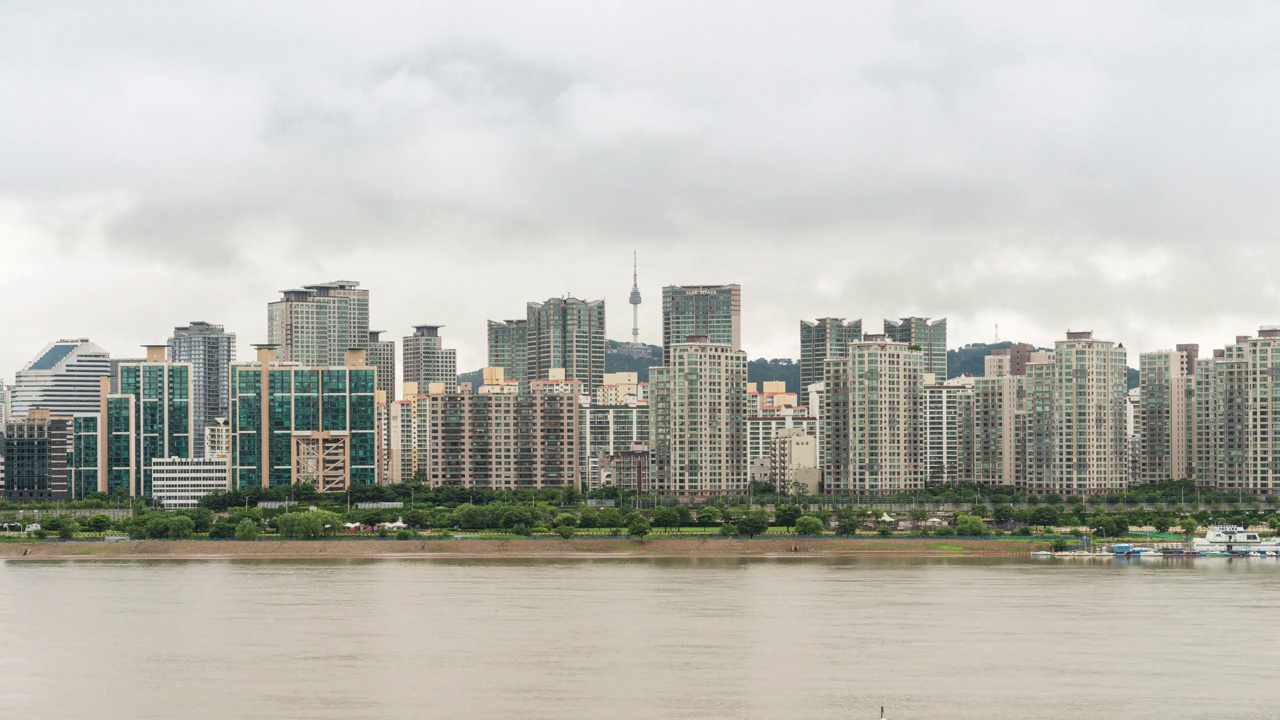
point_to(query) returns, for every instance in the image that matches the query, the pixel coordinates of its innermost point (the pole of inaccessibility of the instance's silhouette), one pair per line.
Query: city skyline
(619, 329)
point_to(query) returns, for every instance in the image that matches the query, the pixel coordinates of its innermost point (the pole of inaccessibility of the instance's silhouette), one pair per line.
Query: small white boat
(1042, 553)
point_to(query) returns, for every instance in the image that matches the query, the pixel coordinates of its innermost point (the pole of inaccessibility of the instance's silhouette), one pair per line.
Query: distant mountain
(625, 357)
(970, 359)
(787, 370)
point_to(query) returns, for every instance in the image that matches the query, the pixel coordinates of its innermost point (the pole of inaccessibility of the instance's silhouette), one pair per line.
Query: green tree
(1161, 523)
(728, 530)
(787, 515)
(588, 518)
(666, 517)
(639, 528)
(68, 530)
(753, 523)
(708, 515)
(470, 517)
(808, 525)
(247, 530)
(181, 527)
(610, 517)
(566, 520)
(919, 515)
(970, 526)
(98, 523)
(405, 534)
(884, 529)
(1189, 527)
(1003, 514)
(566, 531)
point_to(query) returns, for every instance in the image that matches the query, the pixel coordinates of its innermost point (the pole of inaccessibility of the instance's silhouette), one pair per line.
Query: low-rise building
(178, 483)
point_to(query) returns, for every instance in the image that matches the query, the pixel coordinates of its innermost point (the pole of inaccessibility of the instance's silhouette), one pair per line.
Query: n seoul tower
(635, 301)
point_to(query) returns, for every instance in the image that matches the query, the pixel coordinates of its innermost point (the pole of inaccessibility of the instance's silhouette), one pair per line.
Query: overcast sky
(1043, 166)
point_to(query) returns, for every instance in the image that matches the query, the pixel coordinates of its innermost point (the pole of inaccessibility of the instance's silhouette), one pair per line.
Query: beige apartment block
(1165, 420)
(499, 438)
(872, 407)
(1075, 433)
(999, 424)
(698, 425)
(1237, 444)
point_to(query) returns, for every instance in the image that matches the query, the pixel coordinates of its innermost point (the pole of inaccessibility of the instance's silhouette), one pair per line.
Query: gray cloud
(1040, 167)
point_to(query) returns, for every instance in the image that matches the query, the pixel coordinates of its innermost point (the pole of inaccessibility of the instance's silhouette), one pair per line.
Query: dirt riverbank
(549, 548)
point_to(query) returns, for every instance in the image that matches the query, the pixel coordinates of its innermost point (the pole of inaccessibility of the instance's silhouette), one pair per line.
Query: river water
(613, 639)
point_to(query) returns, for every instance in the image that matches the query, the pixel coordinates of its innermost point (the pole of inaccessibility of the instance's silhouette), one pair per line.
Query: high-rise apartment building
(292, 423)
(713, 312)
(822, 339)
(427, 360)
(763, 428)
(947, 431)
(1165, 426)
(999, 409)
(1075, 421)
(930, 336)
(36, 448)
(566, 334)
(509, 349)
(698, 424)
(62, 379)
(500, 438)
(607, 430)
(149, 417)
(210, 350)
(1238, 394)
(317, 324)
(381, 354)
(871, 419)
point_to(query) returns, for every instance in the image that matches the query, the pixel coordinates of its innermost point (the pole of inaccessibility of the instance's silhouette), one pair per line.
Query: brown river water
(613, 639)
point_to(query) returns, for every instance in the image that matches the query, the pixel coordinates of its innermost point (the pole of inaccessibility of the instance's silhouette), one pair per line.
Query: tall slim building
(713, 312)
(872, 408)
(427, 360)
(606, 430)
(1166, 414)
(947, 431)
(6, 402)
(1075, 422)
(317, 324)
(381, 354)
(210, 350)
(62, 379)
(292, 423)
(999, 411)
(509, 349)
(821, 339)
(149, 417)
(930, 336)
(566, 334)
(697, 430)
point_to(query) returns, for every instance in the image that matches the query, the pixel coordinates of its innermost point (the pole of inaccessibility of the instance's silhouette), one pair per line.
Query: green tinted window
(279, 382)
(129, 379)
(248, 382)
(362, 448)
(281, 409)
(179, 383)
(362, 381)
(248, 414)
(335, 412)
(306, 412)
(306, 381)
(335, 381)
(362, 412)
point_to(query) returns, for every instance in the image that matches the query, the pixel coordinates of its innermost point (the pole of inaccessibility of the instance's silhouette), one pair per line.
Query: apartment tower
(210, 350)
(713, 312)
(821, 339)
(930, 336)
(316, 324)
(427, 361)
